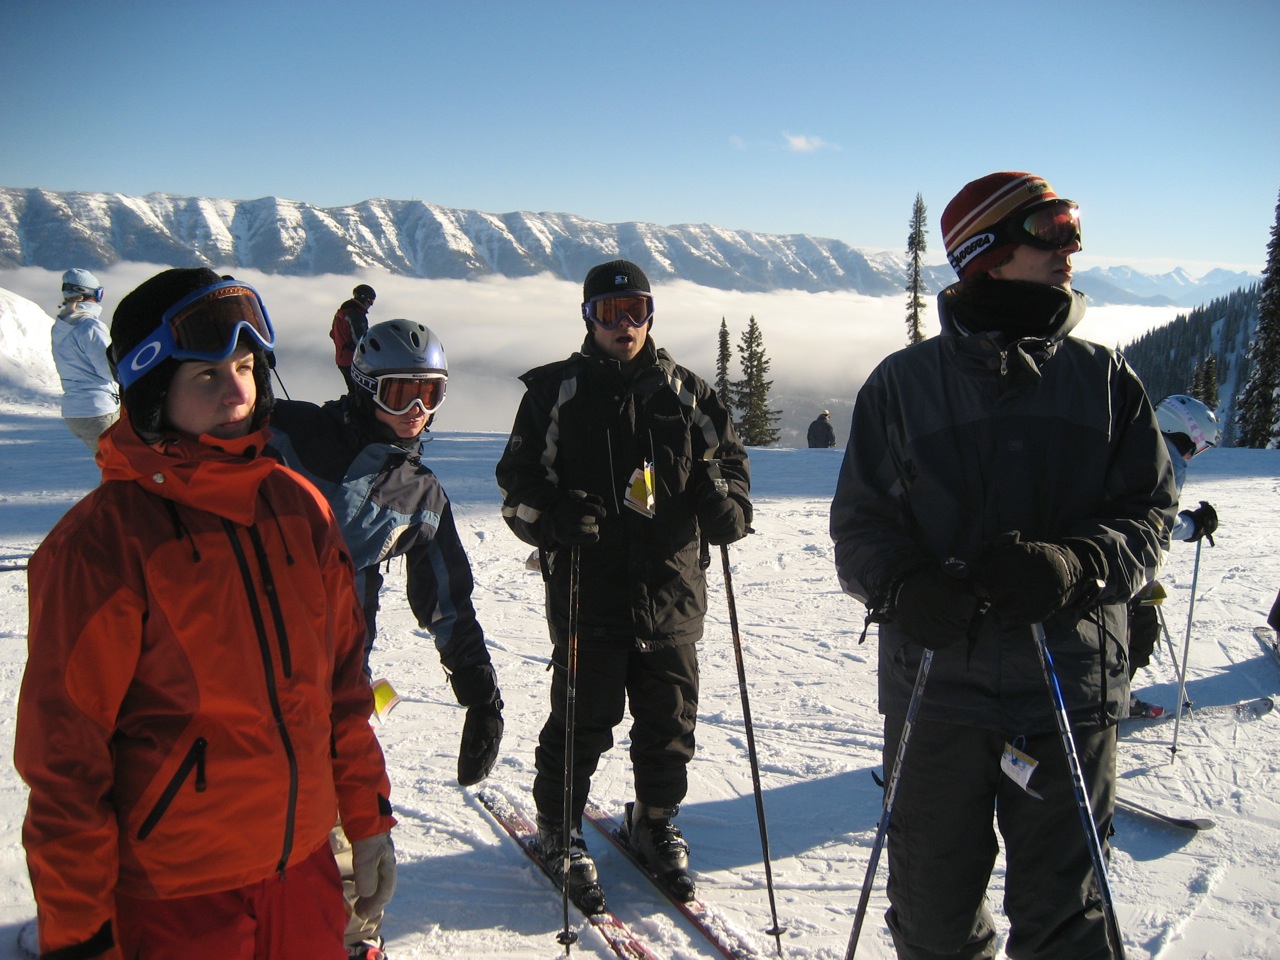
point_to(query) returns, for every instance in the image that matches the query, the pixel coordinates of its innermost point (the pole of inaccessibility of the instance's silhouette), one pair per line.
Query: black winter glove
(575, 518)
(720, 516)
(476, 688)
(1030, 582)
(1204, 521)
(933, 608)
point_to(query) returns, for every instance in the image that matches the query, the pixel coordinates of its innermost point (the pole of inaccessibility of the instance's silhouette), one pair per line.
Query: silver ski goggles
(611, 310)
(204, 325)
(396, 393)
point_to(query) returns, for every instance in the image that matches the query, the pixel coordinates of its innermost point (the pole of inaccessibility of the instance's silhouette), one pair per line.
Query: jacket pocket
(194, 760)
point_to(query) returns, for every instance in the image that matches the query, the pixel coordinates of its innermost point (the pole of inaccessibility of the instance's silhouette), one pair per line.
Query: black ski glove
(1030, 582)
(722, 518)
(1204, 522)
(574, 519)
(476, 688)
(933, 608)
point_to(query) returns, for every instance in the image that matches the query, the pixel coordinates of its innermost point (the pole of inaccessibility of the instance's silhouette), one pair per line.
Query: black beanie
(616, 276)
(137, 315)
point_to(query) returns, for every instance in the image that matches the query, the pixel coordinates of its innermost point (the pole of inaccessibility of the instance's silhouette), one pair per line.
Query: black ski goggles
(611, 310)
(205, 325)
(1051, 225)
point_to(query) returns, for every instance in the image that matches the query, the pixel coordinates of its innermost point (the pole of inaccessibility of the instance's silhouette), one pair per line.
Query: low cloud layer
(821, 345)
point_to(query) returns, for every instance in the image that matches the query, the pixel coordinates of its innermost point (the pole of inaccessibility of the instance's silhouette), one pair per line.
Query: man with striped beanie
(1002, 479)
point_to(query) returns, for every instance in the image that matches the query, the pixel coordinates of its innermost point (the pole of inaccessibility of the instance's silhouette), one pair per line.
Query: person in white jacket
(90, 399)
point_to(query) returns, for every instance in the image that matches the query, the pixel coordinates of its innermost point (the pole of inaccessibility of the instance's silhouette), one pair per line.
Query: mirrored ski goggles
(396, 393)
(1051, 226)
(202, 326)
(611, 310)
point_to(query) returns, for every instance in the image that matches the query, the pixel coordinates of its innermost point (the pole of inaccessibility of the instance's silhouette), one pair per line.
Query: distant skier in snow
(1189, 429)
(999, 475)
(350, 323)
(821, 433)
(194, 710)
(620, 453)
(364, 452)
(90, 399)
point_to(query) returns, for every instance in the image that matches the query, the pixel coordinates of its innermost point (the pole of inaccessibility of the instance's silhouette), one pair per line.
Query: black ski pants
(661, 688)
(942, 845)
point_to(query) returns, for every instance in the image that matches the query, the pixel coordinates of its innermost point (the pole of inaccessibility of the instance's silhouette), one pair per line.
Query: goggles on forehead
(610, 310)
(70, 290)
(1050, 226)
(202, 326)
(396, 393)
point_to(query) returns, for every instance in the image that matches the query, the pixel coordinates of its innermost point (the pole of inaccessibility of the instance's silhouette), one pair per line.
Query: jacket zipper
(268, 667)
(194, 758)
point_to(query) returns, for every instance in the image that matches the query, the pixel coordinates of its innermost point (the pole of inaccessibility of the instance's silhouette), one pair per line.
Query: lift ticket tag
(1019, 767)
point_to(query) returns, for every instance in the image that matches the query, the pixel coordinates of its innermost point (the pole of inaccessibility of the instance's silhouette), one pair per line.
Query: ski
(1267, 637)
(1193, 824)
(705, 920)
(1242, 712)
(620, 938)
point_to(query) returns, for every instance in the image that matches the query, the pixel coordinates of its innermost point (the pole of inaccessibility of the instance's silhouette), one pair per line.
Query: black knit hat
(616, 276)
(137, 315)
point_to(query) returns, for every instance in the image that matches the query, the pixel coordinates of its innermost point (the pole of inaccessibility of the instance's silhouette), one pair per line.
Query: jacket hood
(219, 476)
(1014, 308)
(80, 311)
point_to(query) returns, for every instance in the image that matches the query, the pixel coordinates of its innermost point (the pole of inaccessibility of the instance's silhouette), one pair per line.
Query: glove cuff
(1093, 570)
(475, 685)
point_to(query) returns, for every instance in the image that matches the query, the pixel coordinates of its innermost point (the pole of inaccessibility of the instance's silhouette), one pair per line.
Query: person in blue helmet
(90, 397)
(1189, 428)
(366, 454)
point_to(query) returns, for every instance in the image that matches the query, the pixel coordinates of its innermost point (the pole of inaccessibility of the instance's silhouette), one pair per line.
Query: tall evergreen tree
(724, 389)
(1209, 383)
(1258, 405)
(917, 244)
(758, 424)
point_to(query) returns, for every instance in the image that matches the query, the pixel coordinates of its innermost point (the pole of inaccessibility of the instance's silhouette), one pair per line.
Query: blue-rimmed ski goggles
(611, 310)
(70, 290)
(205, 325)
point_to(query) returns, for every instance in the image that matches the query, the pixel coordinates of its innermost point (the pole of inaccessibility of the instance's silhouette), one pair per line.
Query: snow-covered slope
(466, 891)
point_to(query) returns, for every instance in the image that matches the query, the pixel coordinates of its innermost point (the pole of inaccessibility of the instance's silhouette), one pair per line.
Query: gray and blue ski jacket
(970, 435)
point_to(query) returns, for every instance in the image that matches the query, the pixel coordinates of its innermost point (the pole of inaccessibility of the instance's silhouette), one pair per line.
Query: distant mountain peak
(43, 228)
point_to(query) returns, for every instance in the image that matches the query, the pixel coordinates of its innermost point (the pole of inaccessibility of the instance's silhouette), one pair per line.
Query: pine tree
(1209, 383)
(917, 244)
(1259, 408)
(758, 424)
(724, 390)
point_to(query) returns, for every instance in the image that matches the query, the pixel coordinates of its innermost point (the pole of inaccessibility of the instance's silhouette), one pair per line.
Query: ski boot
(659, 845)
(1141, 710)
(583, 883)
(366, 950)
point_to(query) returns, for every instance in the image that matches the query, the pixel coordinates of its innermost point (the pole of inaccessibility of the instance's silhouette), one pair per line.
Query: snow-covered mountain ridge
(44, 228)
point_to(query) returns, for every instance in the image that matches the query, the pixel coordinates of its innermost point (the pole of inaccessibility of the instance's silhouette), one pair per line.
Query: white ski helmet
(1180, 414)
(398, 362)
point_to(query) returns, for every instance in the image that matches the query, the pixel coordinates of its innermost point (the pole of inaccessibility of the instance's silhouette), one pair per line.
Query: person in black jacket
(821, 433)
(364, 452)
(630, 460)
(1000, 475)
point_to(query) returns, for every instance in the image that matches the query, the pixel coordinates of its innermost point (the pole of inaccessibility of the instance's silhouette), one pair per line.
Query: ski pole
(566, 936)
(890, 794)
(776, 931)
(1186, 651)
(1164, 629)
(1082, 795)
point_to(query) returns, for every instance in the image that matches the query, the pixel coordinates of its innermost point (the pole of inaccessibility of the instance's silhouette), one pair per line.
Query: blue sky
(827, 118)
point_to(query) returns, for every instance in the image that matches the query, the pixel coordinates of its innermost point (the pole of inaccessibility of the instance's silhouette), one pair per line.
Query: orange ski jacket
(194, 714)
